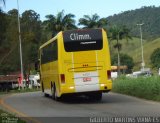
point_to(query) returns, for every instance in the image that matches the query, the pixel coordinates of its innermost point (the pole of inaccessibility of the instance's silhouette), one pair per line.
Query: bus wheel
(46, 95)
(54, 93)
(42, 87)
(96, 96)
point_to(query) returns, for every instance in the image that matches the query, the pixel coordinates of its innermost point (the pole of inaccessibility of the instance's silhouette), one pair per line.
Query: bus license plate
(87, 79)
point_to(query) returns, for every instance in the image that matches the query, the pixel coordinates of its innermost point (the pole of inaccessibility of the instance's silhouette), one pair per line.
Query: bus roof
(51, 40)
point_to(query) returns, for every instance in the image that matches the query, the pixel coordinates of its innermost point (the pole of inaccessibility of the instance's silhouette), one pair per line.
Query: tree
(60, 22)
(3, 26)
(31, 37)
(118, 33)
(125, 60)
(93, 21)
(149, 15)
(126, 33)
(31, 33)
(9, 41)
(3, 1)
(155, 58)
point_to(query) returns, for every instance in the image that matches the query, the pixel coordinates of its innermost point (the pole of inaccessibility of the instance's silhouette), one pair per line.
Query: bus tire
(54, 93)
(96, 96)
(42, 87)
(46, 95)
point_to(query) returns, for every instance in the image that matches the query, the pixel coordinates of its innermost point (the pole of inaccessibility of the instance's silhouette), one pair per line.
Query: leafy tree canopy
(93, 21)
(155, 58)
(124, 60)
(59, 22)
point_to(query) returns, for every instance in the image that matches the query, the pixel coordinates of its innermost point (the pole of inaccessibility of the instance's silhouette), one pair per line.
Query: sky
(103, 8)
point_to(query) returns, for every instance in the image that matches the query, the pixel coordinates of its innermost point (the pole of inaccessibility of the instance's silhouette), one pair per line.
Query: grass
(5, 117)
(20, 91)
(143, 87)
(149, 47)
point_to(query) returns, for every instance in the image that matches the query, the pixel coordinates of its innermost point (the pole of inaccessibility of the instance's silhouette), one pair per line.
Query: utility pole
(119, 64)
(20, 44)
(140, 28)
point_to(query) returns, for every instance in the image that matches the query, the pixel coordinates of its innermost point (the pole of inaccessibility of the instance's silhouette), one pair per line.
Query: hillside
(150, 16)
(149, 47)
(133, 49)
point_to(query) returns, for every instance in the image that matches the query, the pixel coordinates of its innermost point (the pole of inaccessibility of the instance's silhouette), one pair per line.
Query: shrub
(155, 58)
(143, 87)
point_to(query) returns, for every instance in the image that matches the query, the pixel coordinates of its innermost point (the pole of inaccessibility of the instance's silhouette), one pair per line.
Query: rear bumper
(103, 87)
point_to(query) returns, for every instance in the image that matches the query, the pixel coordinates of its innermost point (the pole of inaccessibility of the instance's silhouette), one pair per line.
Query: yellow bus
(76, 62)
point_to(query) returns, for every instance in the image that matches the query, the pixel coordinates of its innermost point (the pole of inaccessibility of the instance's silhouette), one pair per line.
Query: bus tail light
(62, 78)
(109, 74)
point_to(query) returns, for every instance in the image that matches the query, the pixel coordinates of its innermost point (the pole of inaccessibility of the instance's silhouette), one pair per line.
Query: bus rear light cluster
(62, 76)
(109, 74)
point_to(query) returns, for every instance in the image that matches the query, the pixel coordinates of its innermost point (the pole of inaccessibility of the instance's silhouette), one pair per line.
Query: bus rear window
(83, 40)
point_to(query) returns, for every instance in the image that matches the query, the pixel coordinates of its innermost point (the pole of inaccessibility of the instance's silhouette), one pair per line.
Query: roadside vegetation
(19, 91)
(143, 87)
(6, 117)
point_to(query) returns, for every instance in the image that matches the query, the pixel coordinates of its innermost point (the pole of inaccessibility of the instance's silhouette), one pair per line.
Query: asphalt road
(35, 105)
